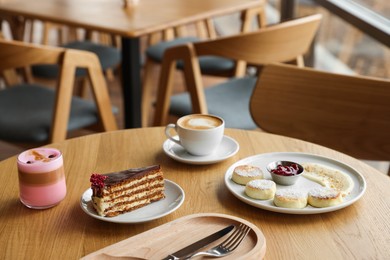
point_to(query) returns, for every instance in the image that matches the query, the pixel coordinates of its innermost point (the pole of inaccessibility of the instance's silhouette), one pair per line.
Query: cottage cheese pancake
(290, 198)
(328, 177)
(321, 197)
(260, 189)
(242, 174)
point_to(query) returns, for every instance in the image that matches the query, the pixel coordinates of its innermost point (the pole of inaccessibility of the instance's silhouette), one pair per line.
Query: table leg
(131, 82)
(287, 9)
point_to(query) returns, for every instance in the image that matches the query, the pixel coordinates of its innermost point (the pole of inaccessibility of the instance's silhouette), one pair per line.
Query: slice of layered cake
(120, 192)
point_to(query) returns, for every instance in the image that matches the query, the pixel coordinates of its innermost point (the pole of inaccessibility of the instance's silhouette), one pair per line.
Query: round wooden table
(359, 231)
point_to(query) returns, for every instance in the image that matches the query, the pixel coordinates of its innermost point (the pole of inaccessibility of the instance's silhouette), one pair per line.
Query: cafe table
(358, 231)
(132, 22)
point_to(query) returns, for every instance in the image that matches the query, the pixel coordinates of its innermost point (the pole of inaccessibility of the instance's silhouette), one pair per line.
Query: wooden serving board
(163, 240)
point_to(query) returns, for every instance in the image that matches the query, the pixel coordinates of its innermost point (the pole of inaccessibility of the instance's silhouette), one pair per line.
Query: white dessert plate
(226, 149)
(262, 160)
(174, 197)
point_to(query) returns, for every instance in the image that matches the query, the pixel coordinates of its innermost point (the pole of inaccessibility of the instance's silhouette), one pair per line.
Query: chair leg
(110, 74)
(82, 87)
(147, 91)
(163, 95)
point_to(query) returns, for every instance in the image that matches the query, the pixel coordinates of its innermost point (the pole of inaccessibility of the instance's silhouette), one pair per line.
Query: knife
(199, 244)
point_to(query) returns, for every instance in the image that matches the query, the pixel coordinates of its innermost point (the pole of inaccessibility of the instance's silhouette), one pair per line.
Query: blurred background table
(109, 16)
(359, 231)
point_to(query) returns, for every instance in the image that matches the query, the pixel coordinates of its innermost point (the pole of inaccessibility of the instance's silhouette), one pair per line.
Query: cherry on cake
(120, 192)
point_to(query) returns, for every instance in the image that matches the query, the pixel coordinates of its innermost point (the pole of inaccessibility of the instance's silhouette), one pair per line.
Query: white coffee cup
(198, 134)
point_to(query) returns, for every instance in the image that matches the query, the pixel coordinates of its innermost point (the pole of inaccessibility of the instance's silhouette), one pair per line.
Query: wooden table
(131, 23)
(360, 231)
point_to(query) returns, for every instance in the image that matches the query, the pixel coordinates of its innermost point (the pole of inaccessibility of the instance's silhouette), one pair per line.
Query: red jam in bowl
(286, 170)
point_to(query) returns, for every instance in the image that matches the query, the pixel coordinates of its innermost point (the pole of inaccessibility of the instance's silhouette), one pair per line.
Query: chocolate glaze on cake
(120, 192)
(127, 174)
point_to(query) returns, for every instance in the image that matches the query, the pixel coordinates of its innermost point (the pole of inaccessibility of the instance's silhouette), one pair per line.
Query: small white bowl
(286, 180)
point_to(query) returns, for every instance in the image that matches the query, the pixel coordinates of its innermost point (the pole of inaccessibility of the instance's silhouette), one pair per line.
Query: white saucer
(174, 198)
(226, 149)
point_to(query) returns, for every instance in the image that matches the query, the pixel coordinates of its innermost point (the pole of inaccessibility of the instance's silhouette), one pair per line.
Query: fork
(227, 246)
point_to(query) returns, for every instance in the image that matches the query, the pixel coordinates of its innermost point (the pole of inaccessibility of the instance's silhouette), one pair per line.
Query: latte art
(199, 122)
(202, 123)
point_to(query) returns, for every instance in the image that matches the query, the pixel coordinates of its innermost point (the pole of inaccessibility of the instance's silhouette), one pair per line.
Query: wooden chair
(33, 113)
(279, 43)
(211, 65)
(350, 114)
(109, 56)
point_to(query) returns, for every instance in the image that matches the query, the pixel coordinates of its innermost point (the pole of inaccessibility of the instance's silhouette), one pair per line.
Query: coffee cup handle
(168, 133)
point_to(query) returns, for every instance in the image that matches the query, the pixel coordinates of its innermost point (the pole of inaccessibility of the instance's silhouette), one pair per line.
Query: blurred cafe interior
(352, 39)
(305, 83)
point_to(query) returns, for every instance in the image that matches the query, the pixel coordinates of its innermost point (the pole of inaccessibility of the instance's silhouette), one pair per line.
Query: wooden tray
(163, 240)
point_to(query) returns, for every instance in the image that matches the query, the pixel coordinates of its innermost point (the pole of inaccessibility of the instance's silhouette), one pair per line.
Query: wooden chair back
(15, 55)
(278, 43)
(283, 42)
(205, 29)
(350, 114)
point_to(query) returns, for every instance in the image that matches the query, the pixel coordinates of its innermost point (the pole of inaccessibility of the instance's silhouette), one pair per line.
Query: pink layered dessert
(41, 177)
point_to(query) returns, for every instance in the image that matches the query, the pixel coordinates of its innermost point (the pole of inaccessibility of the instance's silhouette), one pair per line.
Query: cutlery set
(198, 248)
(223, 249)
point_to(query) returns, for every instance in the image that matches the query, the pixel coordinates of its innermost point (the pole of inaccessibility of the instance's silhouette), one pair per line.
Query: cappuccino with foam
(198, 134)
(199, 122)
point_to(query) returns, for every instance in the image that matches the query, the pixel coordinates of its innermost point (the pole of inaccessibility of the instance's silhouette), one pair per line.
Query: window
(354, 36)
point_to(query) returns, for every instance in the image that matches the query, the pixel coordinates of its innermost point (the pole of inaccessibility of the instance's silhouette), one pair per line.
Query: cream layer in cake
(120, 192)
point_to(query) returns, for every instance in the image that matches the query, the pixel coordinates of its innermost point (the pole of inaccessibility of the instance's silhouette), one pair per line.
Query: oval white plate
(174, 197)
(262, 160)
(226, 149)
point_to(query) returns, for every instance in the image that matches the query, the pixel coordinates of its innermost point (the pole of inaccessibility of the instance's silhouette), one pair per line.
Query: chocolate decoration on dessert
(127, 174)
(41, 157)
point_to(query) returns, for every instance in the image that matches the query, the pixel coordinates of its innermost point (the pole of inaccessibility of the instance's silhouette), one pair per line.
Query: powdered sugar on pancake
(291, 193)
(324, 192)
(248, 170)
(261, 184)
